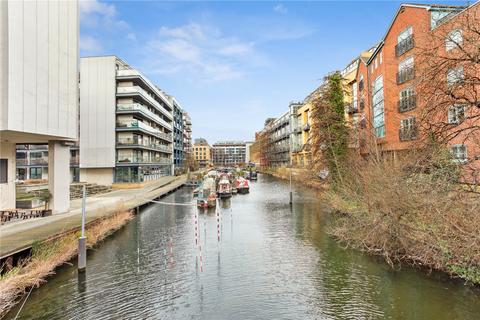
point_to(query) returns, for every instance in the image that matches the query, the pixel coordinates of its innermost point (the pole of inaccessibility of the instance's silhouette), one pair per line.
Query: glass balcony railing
(138, 124)
(147, 96)
(135, 142)
(143, 160)
(406, 134)
(145, 111)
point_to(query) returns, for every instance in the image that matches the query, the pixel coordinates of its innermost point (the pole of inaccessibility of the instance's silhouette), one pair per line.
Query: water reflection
(273, 261)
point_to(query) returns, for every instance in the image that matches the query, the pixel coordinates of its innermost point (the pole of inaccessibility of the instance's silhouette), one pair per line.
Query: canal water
(272, 262)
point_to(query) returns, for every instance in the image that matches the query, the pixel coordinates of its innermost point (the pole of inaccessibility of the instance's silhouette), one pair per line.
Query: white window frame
(456, 114)
(460, 157)
(406, 63)
(407, 32)
(454, 39)
(455, 75)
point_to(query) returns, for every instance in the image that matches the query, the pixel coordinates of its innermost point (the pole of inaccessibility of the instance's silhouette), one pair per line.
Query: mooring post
(82, 241)
(291, 193)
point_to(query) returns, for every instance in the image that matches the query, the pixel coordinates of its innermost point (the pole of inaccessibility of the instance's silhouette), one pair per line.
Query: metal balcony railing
(405, 75)
(404, 46)
(407, 134)
(140, 108)
(407, 104)
(138, 124)
(136, 143)
(143, 160)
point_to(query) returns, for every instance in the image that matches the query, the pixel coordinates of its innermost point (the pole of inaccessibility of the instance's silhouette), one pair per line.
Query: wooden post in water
(82, 241)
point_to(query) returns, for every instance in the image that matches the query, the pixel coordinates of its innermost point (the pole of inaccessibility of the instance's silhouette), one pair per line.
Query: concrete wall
(7, 190)
(97, 112)
(101, 176)
(39, 67)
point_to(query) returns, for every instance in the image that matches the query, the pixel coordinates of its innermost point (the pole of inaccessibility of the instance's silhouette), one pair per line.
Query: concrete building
(32, 162)
(126, 124)
(187, 138)
(202, 153)
(38, 90)
(228, 153)
(279, 138)
(178, 137)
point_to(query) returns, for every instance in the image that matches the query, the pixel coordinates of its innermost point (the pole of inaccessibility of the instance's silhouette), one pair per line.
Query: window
(455, 76)
(407, 100)
(408, 124)
(459, 153)
(406, 93)
(378, 108)
(456, 114)
(35, 173)
(405, 63)
(3, 170)
(454, 39)
(360, 83)
(405, 34)
(355, 98)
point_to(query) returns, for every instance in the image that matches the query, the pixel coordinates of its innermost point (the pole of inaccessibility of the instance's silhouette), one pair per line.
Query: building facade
(126, 124)
(279, 144)
(187, 140)
(178, 137)
(202, 153)
(229, 153)
(38, 90)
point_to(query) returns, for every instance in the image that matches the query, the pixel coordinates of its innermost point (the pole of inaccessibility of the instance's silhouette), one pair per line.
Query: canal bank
(274, 261)
(19, 235)
(55, 238)
(403, 230)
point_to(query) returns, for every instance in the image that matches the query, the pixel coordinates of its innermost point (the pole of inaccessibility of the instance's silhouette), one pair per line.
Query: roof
(410, 5)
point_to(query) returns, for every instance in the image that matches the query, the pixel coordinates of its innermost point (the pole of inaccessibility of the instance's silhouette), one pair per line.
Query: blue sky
(233, 64)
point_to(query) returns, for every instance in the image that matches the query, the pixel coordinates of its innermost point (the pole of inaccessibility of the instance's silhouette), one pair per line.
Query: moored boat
(224, 188)
(242, 185)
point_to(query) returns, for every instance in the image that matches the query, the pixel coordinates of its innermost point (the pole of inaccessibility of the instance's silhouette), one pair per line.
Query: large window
(405, 34)
(456, 114)
(35, 173)
(455, 75)
(378, 107)
(459, 153)
(3, 170)
(454, 39)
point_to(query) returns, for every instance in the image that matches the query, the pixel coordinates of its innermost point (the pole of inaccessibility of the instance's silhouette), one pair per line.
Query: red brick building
(390, 84)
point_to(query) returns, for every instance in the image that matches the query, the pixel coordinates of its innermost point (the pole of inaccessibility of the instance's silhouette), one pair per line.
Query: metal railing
(143, 160)
(144, 110)
(404, 46)
(405, 75)
(147, 96)
(135, 142)
(138, 124)
(407, 103)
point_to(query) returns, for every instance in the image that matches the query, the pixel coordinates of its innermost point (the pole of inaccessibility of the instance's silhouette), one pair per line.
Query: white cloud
(90, 45)
(95, 14)
(280, 8)
(200, 52)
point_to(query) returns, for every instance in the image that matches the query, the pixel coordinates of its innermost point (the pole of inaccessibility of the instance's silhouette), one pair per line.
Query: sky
(233, 64)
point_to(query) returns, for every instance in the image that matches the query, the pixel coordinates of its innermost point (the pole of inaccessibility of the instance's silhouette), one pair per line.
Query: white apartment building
(38, 90)
(126, 124)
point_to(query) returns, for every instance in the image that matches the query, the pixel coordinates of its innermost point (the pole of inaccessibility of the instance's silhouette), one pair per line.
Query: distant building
(126, 124)
(229, 153)
(202, 153)
(178, 133)
(187, 138)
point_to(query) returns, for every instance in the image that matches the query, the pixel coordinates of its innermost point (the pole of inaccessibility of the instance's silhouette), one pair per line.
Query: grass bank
(410, 210)
(47, 256)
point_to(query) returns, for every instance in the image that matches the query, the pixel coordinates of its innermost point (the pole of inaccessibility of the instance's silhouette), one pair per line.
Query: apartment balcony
(405, 75)
(407, 134)
(407, 104)
(34, 162)
(137, 90)
(133, 160)
(138, 125)
(132, 143)
(404, 46)
(138, 108)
